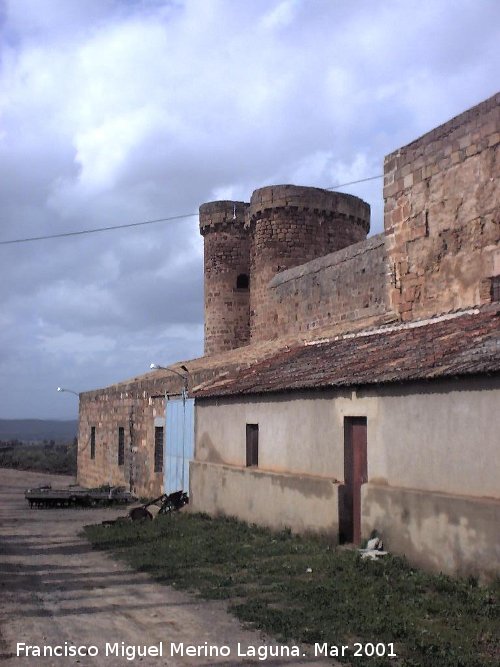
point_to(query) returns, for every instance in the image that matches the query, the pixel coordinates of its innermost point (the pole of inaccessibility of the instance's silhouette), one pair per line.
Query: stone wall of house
(134, 408)
(138, 406)
(344, 286)
(442, 215)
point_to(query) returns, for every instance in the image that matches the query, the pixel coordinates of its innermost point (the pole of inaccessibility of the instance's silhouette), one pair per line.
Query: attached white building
(395, 429)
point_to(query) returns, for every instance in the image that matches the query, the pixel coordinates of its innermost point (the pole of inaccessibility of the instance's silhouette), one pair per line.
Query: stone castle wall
(282, 227)
(227, 256)
(442, 214)
(288, 227)
(310, 266)
(442, 233)
(344, 286)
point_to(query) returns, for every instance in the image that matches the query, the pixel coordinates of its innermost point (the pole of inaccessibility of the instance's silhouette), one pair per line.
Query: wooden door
(355, 474)
(252, 445)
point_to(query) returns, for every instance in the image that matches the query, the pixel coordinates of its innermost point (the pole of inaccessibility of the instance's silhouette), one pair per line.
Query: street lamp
(157, 367)
(68, 390)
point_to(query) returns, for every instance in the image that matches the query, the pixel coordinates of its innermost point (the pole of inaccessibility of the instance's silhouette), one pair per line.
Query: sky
(114, 112)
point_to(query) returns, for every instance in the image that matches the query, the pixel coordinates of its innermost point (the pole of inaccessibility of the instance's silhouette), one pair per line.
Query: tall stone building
(248, 244)
(227, 268)
(348, 383)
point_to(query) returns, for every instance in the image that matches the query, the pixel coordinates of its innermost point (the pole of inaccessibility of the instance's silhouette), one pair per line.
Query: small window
(495, 288)
(92, 442)
(242, 281)
(252, 445)
(159, 448)
(121, 446)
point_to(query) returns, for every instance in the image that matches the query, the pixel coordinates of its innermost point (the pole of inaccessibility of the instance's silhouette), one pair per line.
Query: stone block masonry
(290, 226)
(440, 252)
(227, 259)
(296, 260)
(132, 409)
(138, 407)
(344, 286)
(246, 245)
(442, 215)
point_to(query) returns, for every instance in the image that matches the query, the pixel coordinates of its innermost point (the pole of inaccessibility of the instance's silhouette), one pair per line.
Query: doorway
(252, 445)
(179, 443)
(355, 474)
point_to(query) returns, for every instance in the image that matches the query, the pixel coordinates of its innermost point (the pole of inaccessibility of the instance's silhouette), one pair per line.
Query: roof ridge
(400, 326)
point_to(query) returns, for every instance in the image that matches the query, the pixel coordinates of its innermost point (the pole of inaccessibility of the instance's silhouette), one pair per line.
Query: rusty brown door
(252, 445)
(355, 474)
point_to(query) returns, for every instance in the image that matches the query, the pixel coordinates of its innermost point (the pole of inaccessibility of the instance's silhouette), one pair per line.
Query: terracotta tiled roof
(461, 343)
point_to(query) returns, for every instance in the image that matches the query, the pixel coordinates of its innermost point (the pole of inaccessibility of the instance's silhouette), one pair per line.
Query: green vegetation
(47, 456)
(302, 589)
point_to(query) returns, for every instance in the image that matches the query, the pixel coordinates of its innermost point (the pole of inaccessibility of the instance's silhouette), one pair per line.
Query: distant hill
(30, 430)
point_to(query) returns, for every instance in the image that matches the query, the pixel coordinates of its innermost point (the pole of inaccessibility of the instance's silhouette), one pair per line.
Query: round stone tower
(290, 225)
(227, 271)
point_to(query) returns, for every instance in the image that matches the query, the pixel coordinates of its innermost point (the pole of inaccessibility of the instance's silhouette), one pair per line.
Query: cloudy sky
(120, 111)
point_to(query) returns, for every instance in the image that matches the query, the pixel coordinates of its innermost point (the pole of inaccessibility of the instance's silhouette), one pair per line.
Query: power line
(98, 229)
(361, 180)
(81, 232)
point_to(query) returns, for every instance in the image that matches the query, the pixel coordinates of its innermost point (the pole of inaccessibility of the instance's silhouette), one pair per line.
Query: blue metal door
(179, 443)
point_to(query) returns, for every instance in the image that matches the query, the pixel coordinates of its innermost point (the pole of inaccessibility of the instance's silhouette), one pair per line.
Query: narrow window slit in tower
(242, 281)
(495, 288)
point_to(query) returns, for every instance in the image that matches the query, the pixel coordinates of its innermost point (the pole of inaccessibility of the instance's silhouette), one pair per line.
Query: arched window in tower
(242, 281)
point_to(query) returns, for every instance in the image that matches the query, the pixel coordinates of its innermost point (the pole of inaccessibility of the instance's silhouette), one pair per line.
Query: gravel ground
(56, 591)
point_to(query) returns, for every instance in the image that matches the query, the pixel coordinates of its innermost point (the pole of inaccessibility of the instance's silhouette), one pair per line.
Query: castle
(247, 245)
(348, 383)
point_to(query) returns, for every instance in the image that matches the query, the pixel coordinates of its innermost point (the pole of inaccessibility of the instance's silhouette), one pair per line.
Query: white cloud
(280, 16)
(114, 112)
(75, 348)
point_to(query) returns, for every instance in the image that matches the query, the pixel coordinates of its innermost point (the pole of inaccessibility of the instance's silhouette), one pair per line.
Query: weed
(302, 589)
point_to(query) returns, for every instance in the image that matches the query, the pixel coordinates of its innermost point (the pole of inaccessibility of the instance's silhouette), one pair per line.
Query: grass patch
(432, 619)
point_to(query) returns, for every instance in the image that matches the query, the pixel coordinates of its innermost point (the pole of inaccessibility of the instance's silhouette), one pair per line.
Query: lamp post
(68, 390)
(157, 367)
(184, 376)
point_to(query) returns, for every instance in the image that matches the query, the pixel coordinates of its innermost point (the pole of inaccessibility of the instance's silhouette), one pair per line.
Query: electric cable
(81, 232)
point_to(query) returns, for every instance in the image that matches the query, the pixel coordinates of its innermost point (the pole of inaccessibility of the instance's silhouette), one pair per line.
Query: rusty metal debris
(164, 504)
(77, 496)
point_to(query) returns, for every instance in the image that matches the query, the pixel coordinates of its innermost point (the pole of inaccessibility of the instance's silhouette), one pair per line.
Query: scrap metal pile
(164, 504)
(77, 496)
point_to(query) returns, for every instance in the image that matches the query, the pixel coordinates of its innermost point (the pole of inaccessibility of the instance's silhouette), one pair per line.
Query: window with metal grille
(158, 448)
(495, 288)
(252, 445)
(92, 442)
(121, 446)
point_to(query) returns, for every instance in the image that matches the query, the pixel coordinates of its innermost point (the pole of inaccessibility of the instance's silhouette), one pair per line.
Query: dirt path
(56, 591)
